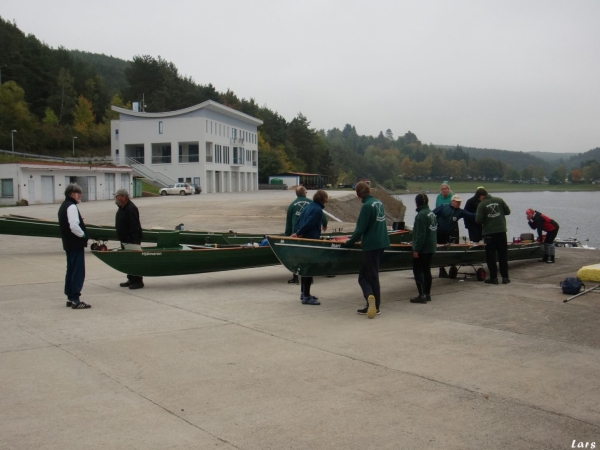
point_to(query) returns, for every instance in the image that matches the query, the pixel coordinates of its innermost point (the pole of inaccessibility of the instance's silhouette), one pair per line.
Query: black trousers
(475, 233)
(422, 273)
(496, 249)
(305, 283)
(368, 277)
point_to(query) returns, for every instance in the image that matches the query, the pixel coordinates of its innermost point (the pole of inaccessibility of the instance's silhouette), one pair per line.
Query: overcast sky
(516, 75)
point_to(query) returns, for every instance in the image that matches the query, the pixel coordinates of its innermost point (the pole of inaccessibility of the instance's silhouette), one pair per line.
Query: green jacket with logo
(491, 214)
(293, 214)
(425, 231)
(371, 228)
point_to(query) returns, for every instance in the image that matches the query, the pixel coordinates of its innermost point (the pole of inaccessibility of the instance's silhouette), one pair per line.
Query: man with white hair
(448, 216)
(74, 240)
(129, 232)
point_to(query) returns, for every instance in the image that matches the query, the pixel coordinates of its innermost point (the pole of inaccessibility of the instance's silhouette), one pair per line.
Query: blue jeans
(75, 274)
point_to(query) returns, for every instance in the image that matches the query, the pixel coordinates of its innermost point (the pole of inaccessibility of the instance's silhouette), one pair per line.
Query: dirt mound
(348, 207)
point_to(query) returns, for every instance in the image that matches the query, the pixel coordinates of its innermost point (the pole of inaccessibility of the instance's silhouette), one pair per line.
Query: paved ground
(234, 360)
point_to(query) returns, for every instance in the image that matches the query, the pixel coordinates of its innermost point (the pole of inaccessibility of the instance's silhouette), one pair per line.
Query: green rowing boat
(310, 257)
(168, 258)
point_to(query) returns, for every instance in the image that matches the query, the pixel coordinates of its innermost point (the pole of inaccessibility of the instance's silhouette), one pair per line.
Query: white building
(45, 182)
(211, 145)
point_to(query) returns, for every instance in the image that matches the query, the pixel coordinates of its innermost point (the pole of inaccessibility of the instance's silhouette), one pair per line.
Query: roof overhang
(74, 168)
(209, 105)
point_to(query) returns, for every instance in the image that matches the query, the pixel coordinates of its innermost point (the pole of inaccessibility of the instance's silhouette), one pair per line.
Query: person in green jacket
(371, 230)
(491, 214)
(424, 245)
(293, 214)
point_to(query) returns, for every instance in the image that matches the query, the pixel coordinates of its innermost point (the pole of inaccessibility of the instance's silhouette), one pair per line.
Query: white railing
(149, 173)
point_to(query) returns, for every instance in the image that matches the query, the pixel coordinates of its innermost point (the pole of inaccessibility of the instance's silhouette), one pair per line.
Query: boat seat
(168, 239)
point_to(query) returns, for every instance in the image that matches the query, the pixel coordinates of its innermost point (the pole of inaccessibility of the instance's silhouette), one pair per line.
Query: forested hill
(515, 159)
(51, 96)
(111, 69)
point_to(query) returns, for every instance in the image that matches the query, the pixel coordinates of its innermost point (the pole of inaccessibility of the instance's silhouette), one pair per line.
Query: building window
(7, 187)
(160, 127)
(207, 125)
(117, 132)
(238, 155)
(209, 153)
(194, 152)
(226, 158)
(218, 154)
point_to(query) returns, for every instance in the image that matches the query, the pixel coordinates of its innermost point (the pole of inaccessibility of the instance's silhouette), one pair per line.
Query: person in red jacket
(541, 223)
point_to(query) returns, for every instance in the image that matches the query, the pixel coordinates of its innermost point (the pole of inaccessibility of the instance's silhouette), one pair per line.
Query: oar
(580, 294)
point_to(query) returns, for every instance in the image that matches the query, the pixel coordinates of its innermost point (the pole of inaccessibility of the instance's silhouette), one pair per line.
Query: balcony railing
(161, 160)
(189, 158)
(237, 140)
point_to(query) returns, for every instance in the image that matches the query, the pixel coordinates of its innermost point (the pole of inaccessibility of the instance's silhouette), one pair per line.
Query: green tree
(271, 161)
(50, 118)
(64, 96)
(14, 115)
(83, 117)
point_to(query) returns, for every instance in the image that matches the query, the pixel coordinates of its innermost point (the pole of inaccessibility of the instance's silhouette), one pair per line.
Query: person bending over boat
(423, 246)
(129, 232)
(371, 230)
(293, 214)
(309, 227)
(448, 216)
(540, 222)
(491, 214)
(473, 227)
(74, 240)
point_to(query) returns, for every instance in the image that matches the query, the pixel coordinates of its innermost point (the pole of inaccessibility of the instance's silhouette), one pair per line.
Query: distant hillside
(575, 161)
(111, 69)
(517, 160)
(548, 156)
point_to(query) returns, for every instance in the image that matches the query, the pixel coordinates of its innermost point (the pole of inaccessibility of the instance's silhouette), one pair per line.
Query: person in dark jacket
(74, 240)
(423, 245)
(293, 214)
(309, 227)
(491, 213)
(474, 229)
(448, 216)
(540, 222)
(371, 230)
(129, 232)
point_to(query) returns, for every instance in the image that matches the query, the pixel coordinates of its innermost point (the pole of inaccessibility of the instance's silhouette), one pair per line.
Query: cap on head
(456, 198)
(530, 211)
(122, 193)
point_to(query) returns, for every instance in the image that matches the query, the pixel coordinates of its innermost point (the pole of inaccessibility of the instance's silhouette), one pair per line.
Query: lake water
(575, 212)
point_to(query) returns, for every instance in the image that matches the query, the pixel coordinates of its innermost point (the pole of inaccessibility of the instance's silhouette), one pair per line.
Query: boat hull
(45, 228)
(308, 257)
(161, 262)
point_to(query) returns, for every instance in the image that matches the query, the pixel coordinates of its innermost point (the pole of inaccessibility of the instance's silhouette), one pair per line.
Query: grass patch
(146, 187)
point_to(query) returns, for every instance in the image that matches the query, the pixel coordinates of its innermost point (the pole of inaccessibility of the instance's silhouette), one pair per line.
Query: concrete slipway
(233, 360)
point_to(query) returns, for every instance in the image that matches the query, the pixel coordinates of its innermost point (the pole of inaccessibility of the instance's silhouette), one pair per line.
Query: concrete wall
(39, 185)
